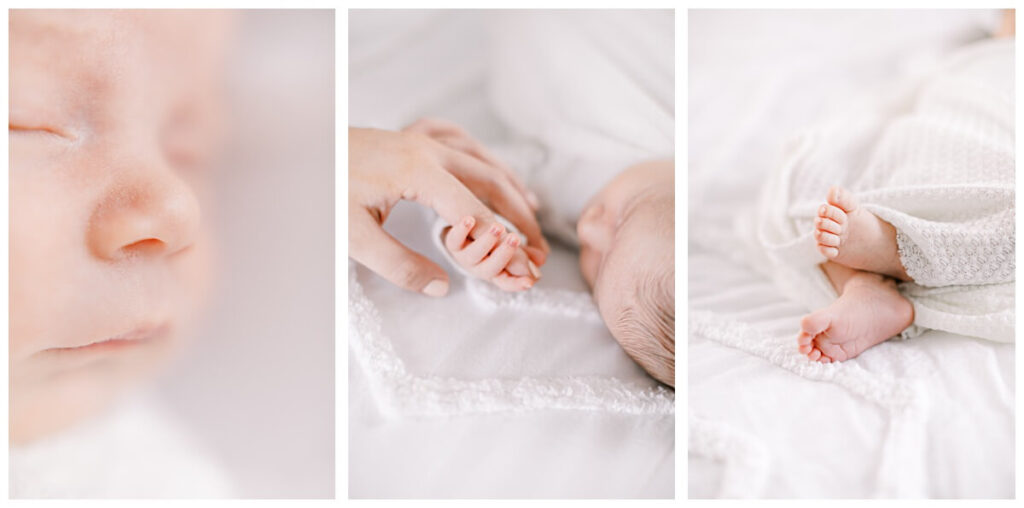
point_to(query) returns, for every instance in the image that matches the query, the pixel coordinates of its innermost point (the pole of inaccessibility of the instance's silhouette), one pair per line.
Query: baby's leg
(869, 311)
(852, 236)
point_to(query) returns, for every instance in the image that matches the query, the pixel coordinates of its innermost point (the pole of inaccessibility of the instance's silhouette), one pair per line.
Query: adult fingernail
(533, 269)
(436, 288)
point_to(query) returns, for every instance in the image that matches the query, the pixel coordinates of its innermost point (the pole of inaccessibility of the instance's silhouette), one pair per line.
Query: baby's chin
(65, 388)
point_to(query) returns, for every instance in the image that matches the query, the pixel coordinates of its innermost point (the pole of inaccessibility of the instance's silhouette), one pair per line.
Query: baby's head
(112, 122)
(627, 256)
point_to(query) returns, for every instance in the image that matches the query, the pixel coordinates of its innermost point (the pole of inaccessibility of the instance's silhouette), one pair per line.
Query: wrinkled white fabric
(930, 417)
(584, 106)
(934, 156)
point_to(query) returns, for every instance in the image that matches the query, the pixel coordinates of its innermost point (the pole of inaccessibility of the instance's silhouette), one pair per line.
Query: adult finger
(520, 265)
(436, 188)
(375, 249)
(455, 137)
(474, 149)
(501, 194)
(536, 254)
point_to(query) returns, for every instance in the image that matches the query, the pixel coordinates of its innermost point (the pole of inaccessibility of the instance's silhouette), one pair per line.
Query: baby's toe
(804, 338)
(829, 252)
(842, 198)
(832, 351)
(827, 239)
(828, 225)
(833, 213)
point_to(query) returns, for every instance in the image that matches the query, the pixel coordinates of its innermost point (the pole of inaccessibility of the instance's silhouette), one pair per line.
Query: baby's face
(112, 121)
(626, 229)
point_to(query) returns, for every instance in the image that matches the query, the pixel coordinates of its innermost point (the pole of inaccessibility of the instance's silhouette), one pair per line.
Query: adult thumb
(375, 249)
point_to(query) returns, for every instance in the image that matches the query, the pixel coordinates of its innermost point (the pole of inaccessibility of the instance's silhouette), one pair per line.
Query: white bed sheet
(928, 417)
(482, 393)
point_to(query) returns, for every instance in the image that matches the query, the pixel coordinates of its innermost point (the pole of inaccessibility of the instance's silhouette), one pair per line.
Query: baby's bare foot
(852, 236)
(870, 310)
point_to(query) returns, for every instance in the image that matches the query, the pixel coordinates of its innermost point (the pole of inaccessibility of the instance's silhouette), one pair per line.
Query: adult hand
(385, 167)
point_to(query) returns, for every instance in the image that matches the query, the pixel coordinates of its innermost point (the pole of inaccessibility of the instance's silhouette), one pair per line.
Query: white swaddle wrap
(933, 156)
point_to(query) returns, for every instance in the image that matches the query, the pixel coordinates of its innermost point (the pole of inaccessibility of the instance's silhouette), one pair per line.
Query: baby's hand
(492, 257)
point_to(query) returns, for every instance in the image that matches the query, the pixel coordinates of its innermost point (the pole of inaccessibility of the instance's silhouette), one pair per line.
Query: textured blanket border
(401, 393)
(903, 464)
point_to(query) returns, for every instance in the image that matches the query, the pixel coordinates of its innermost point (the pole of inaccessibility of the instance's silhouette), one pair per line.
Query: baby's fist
(489, 256)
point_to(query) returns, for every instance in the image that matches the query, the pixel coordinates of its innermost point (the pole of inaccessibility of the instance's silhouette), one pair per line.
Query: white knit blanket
(933, 155)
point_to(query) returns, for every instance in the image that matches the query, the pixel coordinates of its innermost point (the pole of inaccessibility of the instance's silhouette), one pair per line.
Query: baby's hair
(647, 326)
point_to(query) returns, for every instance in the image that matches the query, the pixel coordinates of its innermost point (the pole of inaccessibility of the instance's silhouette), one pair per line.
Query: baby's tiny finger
(498, 259)
(478, 249)
(456, 238)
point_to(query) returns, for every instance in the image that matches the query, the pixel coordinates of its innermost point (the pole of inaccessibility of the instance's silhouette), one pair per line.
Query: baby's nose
(149, 212)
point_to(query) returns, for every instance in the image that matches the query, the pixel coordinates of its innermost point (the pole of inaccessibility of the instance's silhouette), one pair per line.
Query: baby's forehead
(96, 36)
(79, 54)
(650, 225)
(642, 255)
(80, 32)
(90, 48)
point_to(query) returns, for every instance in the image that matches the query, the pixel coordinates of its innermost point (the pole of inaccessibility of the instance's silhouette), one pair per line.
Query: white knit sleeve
(945, 254)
